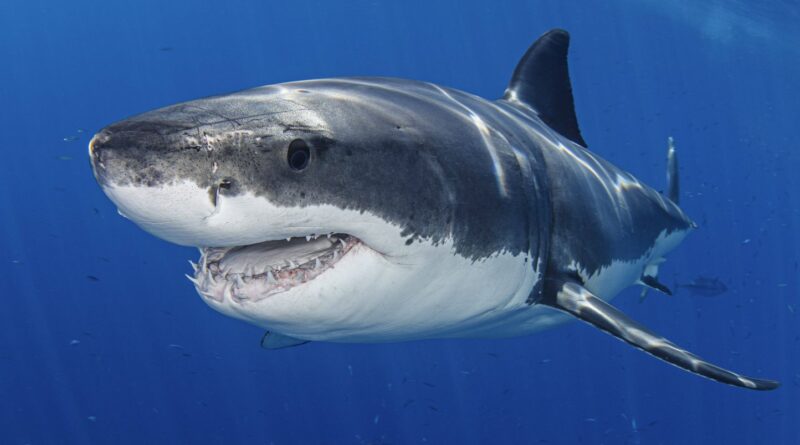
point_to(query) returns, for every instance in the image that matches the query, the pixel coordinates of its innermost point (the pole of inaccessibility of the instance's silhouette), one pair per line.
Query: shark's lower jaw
(254, 272)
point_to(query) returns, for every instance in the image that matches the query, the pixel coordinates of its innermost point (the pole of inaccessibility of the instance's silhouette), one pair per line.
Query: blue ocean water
(102, 340)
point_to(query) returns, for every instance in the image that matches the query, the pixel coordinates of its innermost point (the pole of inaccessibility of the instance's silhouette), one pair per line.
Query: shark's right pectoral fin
(273, 340)
(575, 300)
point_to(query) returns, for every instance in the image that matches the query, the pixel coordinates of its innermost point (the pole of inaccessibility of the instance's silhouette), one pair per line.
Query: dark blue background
(153, 364)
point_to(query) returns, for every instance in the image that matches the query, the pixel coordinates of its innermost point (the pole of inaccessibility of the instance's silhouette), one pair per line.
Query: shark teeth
(194, 280)
(238, 282)
(227, 291)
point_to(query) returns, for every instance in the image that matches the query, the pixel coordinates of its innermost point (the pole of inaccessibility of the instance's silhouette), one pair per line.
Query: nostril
(213, 194)
(215, 190)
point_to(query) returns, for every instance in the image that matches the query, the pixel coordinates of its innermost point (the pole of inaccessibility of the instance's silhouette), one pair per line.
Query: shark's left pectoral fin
(579, 302)
(273, 340)
(653, 283)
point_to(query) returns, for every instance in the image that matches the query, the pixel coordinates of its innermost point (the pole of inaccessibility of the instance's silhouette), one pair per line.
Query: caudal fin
(673, 193)
(673, 183)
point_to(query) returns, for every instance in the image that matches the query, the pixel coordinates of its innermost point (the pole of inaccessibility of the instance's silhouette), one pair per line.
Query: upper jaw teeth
(296, 259)
(271, 266)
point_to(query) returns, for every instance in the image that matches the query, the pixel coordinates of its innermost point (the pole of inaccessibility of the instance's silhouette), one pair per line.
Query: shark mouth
(257, 271)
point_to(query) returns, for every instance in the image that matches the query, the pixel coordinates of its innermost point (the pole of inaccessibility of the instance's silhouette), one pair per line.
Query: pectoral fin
(653, 283)
(650, 280)
(273, 340)
(574, 299)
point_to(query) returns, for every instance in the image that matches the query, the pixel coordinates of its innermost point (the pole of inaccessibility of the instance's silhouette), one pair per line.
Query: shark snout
(135, 152)
(96, 152)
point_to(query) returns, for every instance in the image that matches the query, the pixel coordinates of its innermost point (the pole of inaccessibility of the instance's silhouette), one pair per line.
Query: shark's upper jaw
(254, 272)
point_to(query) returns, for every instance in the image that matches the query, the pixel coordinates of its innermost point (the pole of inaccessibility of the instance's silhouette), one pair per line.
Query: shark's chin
(254, 272)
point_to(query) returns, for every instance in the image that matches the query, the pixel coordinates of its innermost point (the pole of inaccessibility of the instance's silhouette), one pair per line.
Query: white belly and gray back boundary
(383, 209)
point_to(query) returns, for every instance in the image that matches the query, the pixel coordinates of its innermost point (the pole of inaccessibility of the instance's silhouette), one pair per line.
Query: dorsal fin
(541, 80)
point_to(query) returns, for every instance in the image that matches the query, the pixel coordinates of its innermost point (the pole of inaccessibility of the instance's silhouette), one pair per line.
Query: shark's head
(323, 209)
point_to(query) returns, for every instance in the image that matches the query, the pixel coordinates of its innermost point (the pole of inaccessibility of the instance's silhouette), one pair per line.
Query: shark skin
(381, 209)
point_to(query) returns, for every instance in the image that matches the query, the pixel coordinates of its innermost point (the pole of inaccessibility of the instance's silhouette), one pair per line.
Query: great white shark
(382, 209)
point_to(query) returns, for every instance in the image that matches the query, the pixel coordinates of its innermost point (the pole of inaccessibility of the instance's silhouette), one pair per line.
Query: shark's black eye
(298, 155)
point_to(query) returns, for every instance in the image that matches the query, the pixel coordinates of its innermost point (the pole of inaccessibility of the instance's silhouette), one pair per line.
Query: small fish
(166, 49)
(74, 342)
(70, 138)
(64, 158)
(429, 385)
(704, 286)
(92, 278)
